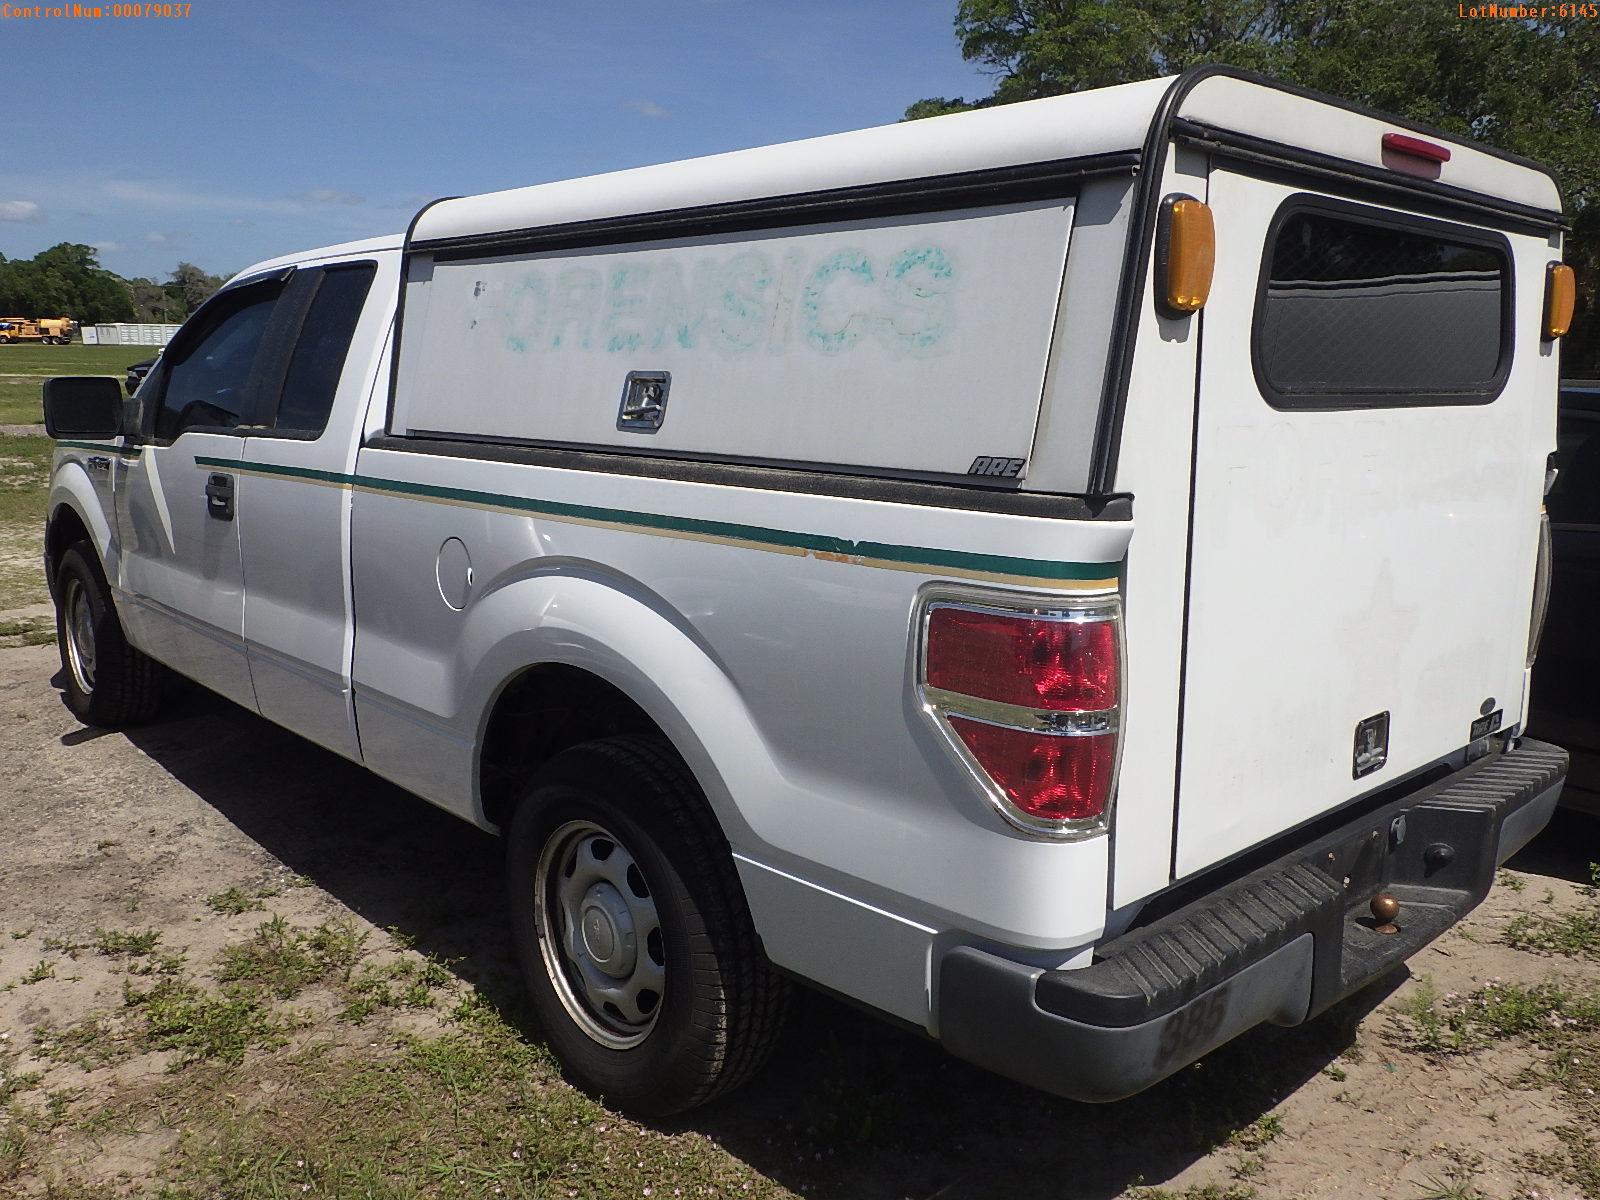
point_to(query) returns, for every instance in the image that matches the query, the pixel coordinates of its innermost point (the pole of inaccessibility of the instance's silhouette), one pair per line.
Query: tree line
(67, 280)
(1530, 85)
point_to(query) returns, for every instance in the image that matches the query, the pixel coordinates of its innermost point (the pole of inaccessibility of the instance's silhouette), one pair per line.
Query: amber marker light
(1186, 253)
(1560, 298)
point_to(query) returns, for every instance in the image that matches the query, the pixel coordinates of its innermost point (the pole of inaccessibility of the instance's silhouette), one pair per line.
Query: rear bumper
(1279, 945)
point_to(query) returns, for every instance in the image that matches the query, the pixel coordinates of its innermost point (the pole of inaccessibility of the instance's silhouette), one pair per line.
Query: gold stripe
(1061, 585)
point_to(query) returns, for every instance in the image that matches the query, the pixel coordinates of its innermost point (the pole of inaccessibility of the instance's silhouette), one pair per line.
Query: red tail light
(1030, 699)
(1049, 778)
(1034, 662)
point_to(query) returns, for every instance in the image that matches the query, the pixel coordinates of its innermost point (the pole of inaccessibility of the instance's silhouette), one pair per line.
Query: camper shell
(768, 455)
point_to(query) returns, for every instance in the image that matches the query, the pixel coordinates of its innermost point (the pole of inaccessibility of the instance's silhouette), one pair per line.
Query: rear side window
(324, 343)
(1364, 309)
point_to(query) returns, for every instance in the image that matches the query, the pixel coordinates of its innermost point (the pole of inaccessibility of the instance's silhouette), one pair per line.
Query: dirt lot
(232, 965)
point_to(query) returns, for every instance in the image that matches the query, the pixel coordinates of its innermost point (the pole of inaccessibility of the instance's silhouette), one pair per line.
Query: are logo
(1006, 468)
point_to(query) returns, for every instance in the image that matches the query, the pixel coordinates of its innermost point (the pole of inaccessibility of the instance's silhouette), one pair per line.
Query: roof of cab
(1084, 125)
(377, 245)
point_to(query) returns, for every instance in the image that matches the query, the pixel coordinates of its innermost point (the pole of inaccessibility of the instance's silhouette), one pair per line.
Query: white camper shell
(1048, 664)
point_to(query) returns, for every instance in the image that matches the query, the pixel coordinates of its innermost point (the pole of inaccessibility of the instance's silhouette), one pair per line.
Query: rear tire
(107, 682)
(632, 931)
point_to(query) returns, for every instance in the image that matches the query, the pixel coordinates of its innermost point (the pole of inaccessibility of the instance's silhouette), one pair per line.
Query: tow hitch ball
(1385, 908)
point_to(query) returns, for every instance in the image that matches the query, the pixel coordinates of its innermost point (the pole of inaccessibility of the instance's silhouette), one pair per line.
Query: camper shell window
(1362, 308)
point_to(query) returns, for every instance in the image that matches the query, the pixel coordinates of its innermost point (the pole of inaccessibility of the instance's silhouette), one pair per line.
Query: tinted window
(208, 375)
(1358, 312)
(324, 342)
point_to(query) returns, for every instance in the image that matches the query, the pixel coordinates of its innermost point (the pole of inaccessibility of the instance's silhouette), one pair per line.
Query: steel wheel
(599, 934)
(80, 636)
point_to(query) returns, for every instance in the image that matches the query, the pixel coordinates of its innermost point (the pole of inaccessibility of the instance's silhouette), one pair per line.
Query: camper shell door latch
(644, 401)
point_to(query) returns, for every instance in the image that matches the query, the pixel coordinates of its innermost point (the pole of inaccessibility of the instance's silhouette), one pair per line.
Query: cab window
(208, 374)
(321, 350)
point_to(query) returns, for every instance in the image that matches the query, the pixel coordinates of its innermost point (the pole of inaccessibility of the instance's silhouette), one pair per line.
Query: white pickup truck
(1062, 576)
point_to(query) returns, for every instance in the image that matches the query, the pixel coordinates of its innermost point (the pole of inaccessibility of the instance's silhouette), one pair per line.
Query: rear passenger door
(294, 497)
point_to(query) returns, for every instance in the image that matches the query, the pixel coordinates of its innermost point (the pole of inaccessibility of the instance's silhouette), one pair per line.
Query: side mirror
(82, 406)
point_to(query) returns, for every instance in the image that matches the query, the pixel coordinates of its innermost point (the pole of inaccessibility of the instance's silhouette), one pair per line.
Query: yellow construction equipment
(52, 331)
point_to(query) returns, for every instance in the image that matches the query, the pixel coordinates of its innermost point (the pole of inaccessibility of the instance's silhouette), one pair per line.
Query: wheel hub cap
(600, 934)
(608, 935)
(80, 636)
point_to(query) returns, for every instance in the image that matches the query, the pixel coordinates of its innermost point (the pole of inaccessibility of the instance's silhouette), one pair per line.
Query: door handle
(219, 497)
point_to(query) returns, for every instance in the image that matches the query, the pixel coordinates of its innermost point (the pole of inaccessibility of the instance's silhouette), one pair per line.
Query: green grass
(198, 1025)
(269, 1102)
(126, 942)
(1569, 935)
(76, 359)
(21, 402)
(24, 492)
(397, 984)
(27, 631)
(475, 1111)
(1260, 1132)
(1548, 1014)
(233, 902)
(23, 370)
(173, 1014)
(284, 960)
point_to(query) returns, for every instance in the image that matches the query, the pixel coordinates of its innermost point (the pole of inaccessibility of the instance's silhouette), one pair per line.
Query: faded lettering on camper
(748, 300)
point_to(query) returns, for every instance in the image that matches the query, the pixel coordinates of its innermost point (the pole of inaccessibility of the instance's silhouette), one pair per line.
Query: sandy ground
(117, 831)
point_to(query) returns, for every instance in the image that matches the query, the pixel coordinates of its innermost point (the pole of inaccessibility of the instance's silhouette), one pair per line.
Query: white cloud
(109, 247)
(19, 210)
(324, 195)
(170, 238)
(648, 108)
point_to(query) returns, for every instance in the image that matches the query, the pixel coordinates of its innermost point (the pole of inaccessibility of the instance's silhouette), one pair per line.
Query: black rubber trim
(1142, 222)
(1309, 400)
(1053, 506)
(969, 189)
(1136, 252)
(1156, 969)
(400, 310)
(1391, 186)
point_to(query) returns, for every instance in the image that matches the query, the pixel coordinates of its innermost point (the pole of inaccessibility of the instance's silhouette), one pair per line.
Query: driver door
(182, 580)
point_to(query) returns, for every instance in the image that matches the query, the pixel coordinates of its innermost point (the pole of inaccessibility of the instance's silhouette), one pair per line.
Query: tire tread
(129, 684)
(739, 1002)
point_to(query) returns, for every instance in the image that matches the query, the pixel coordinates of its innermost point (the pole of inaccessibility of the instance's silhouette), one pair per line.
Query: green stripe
(992, 564)
(106, 447)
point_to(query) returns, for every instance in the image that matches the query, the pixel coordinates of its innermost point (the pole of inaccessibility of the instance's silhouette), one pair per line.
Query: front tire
(632, 931)
(107, 682)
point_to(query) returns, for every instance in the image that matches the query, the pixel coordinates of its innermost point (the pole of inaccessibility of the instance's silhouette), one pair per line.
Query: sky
(254, 128)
